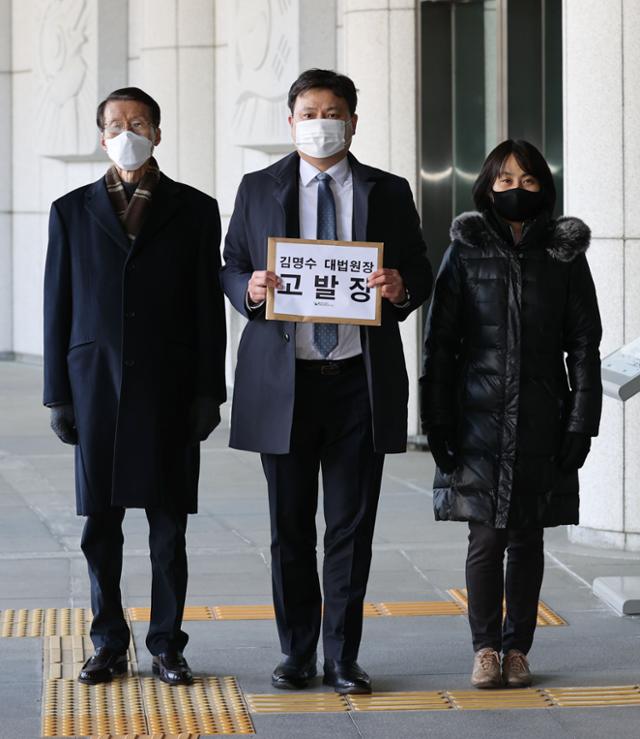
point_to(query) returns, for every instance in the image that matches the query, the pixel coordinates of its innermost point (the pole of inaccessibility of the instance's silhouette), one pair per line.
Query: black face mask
(517, 204)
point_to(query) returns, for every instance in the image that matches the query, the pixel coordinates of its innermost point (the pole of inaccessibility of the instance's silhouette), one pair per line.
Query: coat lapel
(285, 174)
(99, 206)
(364, 178)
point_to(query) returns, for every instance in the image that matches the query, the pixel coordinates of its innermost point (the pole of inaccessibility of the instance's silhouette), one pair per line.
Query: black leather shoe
(346, 677)
(172, 668)
(294, 673)
(103, 666)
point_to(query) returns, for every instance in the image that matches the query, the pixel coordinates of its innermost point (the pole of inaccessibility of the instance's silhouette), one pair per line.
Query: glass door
(490, 70)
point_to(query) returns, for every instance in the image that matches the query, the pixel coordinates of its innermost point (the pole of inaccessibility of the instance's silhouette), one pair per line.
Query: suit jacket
(267, 205)
(132, 335)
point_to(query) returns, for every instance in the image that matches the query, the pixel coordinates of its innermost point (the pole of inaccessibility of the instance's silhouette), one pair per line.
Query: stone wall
(6, 269)
(602, 155)
(220, 71)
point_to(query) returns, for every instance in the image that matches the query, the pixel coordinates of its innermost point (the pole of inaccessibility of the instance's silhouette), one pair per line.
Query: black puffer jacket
(502, 319)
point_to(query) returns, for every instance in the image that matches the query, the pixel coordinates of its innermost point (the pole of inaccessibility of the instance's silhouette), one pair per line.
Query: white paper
(325, 281)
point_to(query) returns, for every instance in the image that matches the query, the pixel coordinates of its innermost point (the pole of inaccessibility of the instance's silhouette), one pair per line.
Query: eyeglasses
(115, 128)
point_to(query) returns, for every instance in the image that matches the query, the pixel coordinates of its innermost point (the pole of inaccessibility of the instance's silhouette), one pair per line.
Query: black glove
(441, 446)
(63, 423)
(573, 451)
(204, 416)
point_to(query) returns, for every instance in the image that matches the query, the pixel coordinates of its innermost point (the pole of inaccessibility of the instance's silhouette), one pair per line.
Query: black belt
(329, 366)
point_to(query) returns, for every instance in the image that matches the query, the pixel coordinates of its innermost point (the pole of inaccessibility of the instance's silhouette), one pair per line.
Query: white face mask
(321, 137)
(128, 150)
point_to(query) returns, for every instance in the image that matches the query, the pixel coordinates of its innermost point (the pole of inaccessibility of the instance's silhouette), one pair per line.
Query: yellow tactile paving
(39, 622)
(302, 702)
(63, 656)
(457, 700)
(422, 608)
(372, 610)
(21, 622)
(36, 622)
(210, 706)
(415, 700)
(487, 700)
(132, 707)
(73, 709)
(613, 695)
(191, 613)
(241, 613)
(147, 736)
(266, 612)
(145, 708)
(546, 615)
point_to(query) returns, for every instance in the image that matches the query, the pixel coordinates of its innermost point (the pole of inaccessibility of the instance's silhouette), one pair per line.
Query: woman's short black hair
(531, 161)
(130, 93)
(339, 84)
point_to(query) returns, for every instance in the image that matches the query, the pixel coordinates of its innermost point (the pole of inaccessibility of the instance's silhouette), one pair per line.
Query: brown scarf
(132, 213)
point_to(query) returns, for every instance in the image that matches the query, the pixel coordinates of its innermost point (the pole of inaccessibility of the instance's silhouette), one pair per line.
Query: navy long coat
(267, 205)
(131, 337)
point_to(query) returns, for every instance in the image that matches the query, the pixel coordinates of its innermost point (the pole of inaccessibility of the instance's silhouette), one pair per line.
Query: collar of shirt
(340, 172)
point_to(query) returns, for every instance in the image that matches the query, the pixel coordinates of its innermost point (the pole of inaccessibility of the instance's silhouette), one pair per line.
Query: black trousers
(332, 432)
(102, 542)
(487, 585)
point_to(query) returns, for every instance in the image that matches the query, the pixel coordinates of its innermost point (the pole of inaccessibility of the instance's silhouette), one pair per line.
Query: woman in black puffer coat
(511, 393)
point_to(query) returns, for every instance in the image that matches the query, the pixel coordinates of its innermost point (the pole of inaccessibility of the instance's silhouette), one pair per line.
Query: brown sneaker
(486, 669)
(515, 669)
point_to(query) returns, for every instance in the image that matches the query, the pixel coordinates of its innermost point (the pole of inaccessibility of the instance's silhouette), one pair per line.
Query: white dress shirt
(341, 184)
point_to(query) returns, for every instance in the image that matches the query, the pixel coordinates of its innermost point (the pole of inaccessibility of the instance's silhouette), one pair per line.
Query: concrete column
(381, 56)
(196, 94)
(631, 125)
(601, 120)
(172, 57)
(261, 47)
(64, 58)
(159, 73)
(27, 218)
(6, 270)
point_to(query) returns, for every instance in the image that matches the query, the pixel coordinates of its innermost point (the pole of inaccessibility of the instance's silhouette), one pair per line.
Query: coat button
(131, 267)
(129, 362)
(130, 314)
(285, 336)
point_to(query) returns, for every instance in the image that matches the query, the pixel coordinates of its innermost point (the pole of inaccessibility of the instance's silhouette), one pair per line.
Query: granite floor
(414, 559)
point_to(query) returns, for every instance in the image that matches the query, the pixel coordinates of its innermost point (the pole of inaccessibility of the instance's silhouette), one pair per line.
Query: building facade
(440, 82)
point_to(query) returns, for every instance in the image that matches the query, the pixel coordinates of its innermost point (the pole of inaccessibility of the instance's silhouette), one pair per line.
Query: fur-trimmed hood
(566, 237)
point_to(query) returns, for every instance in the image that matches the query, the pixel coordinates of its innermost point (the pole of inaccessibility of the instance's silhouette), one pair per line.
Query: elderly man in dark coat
(134, 345)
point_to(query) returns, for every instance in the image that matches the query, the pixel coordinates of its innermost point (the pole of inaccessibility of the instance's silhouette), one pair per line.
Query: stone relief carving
(65, 77)
(80, 55)
(265, 62)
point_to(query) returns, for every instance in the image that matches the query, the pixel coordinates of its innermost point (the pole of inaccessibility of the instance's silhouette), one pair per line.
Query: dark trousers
(487, 585)
(332, 432)
(102, 542)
